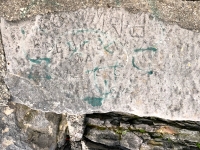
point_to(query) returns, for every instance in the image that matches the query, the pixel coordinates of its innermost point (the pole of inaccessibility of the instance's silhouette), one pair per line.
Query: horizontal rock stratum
(103, 60)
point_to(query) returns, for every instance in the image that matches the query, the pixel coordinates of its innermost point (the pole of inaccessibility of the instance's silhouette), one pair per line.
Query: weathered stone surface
(11, 137)
(23, 128)
(103, 60)
(76, 126)
(40, 127)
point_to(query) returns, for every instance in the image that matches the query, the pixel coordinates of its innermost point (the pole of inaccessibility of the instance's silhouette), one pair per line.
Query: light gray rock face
(103, 60)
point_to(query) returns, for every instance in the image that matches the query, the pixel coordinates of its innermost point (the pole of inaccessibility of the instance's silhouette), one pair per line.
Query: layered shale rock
(120, 131)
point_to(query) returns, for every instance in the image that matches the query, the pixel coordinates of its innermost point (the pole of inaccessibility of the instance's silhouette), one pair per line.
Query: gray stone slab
(22, 128)
(101, 60)
(11, 137)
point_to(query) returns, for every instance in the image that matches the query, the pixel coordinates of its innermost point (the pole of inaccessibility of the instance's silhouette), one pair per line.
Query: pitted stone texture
(103, 60)
(76, 127)
(40, 128)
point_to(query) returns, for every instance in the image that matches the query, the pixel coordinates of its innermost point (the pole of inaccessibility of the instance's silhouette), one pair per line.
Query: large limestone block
(101, 60)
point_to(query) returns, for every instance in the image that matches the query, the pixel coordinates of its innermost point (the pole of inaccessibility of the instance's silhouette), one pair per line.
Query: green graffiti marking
(105, 94)
(38, 74)
(74, 50)
(150, 72)
(85, 42)
(80, 31)
(94, 71)
(94, 101)
(115, 67)
(146, 49)
(141, 50)
(106, 48)
(100, 40)
(99, 90)
(97, 69)
(22, 31)
(105, 82)
(117, 2)
(133, 63)
(97, 101)
(38, 61)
